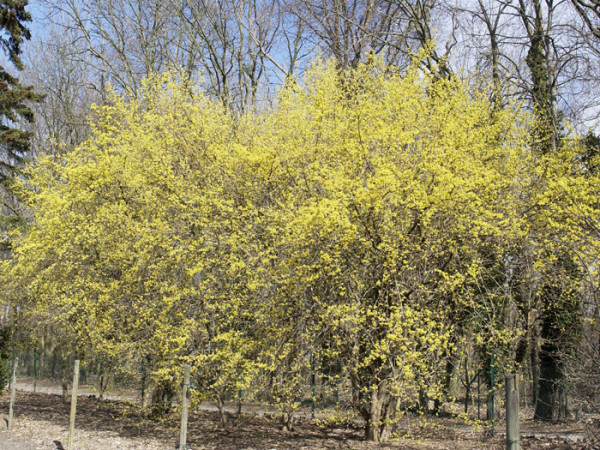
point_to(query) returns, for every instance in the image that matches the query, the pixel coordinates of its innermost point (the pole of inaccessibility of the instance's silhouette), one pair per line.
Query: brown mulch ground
(42, 421)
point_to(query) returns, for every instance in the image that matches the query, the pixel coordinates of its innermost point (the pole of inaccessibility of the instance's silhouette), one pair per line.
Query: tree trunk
(222, 412)
(374, 423)
(287, 421)
(372, 406)
(550, 375)
(375, 426)
(491, 406)
(552, 332)
(535, 370)
(438, 402)
(162, 398)
(103, 384)
(467, 396)
(389, 419)
(423, 401)
(64, 378)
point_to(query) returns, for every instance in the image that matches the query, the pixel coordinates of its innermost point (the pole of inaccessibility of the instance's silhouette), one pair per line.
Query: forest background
(396, 193)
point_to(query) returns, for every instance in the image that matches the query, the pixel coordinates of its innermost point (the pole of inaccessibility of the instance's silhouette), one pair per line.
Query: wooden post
(73, 405)
(512, 413)
(143, 380)
(479, 395)
(337, 390)
(492, 395)
(35, 369)
(184, 407)
(312, 387)
(13, 388)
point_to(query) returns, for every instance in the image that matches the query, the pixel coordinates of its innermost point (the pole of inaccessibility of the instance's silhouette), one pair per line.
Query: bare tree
(349, 29)
(70, 86)
(239, 47)
(589, 11)
(483, 42)
(233, 43)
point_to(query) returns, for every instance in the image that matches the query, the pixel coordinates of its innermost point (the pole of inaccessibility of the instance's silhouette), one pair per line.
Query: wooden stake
(73, 405)
(184, 407)
(512, 413)
(13, 389)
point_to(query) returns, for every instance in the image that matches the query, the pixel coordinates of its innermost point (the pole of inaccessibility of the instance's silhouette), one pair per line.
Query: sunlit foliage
(369, 218)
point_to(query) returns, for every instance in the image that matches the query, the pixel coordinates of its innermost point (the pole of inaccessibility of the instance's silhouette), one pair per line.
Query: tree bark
(287, 420)
(438, 402)
(535, 372)
(550, 372)
(222, 412)
(372, 430)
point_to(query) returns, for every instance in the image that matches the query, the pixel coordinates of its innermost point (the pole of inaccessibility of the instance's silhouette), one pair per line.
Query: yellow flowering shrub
(358, 220)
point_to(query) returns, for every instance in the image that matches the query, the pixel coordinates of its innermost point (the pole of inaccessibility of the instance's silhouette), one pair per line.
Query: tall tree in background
(349, 30)
(14, 142)
(240, 47)
(538, 22)
(70, 85)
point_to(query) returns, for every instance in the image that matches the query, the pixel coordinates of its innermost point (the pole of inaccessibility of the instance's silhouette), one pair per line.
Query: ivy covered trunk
(550, 374)
(4, 357)
(559, 329)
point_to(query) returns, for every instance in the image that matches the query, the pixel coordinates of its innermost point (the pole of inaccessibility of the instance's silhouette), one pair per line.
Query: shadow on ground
(257, 431)
(204, 429)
